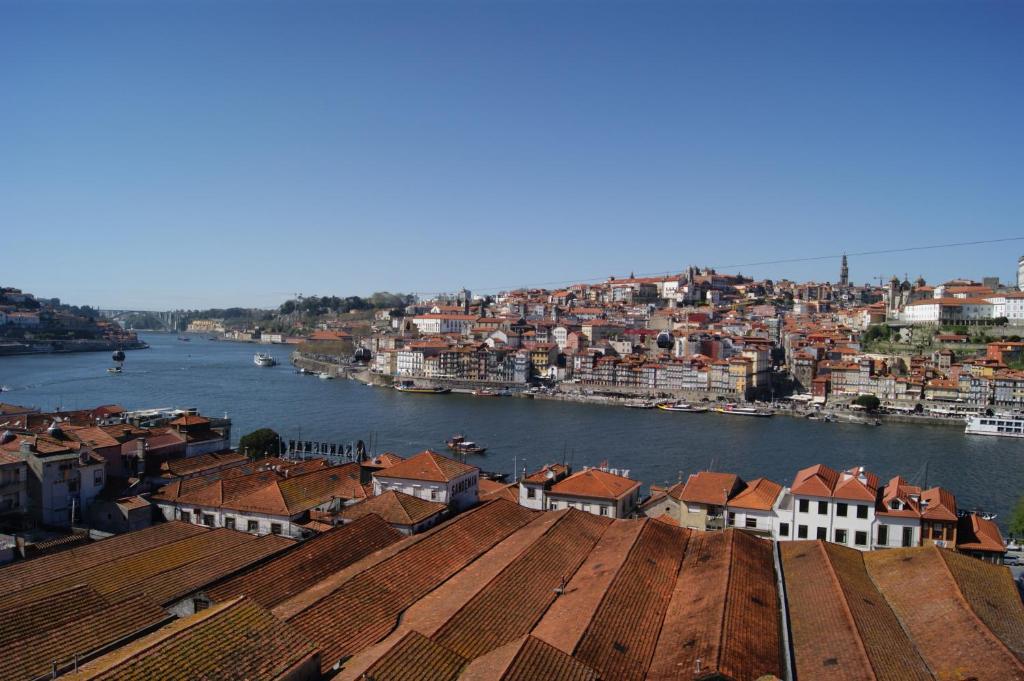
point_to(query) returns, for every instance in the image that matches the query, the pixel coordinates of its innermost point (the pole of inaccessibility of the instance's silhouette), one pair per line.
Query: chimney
(25, 448)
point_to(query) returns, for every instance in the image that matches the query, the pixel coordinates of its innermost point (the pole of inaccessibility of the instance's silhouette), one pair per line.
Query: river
(657, 447)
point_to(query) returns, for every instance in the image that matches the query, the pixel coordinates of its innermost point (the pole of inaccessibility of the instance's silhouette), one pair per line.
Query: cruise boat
(734, 409)
(681, 406)
(484, 392)
(1001, 425)
(639, 404)
(262, 359)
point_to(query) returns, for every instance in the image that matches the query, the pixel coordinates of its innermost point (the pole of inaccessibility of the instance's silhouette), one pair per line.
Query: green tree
(869, 402)
(1017, 519)
(260, 443)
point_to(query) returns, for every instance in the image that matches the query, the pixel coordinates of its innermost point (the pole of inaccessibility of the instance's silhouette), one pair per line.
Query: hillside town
(148, 522)
(41, 325)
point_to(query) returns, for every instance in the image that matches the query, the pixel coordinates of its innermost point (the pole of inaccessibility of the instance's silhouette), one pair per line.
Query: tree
(260, 443)
(1017, 519)
(869, 402)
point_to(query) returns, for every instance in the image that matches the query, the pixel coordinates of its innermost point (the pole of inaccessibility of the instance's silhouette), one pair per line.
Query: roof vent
(7, 436)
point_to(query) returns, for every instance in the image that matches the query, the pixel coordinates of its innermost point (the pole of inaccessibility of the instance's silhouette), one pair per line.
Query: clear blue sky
(214, 153)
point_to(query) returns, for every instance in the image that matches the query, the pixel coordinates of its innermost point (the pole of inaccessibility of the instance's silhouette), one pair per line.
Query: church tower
(844, 273)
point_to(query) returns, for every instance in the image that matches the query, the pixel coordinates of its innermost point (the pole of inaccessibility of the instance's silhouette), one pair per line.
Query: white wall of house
(460, 493)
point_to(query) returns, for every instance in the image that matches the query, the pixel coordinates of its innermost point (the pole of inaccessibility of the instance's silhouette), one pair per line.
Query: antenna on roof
(560, 589)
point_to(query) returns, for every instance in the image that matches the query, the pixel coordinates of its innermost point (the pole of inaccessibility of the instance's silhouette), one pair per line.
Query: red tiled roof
(594, 483)
(974, 533)
(397, 508)
(427, 465)
(708, 487)
(760, 495)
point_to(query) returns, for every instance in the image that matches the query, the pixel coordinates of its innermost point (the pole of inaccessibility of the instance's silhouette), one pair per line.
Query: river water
(657, 447)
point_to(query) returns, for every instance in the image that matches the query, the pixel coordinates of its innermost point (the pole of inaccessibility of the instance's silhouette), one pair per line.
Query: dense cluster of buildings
(704, 334)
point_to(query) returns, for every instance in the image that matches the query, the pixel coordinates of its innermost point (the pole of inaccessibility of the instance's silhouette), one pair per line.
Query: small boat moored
(681, 406)
(323, 375)
(484, 392)
(639, 404)
(734, 409)
(410, 387)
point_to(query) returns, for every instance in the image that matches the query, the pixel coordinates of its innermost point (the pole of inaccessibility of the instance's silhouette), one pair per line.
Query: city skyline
(233, 154)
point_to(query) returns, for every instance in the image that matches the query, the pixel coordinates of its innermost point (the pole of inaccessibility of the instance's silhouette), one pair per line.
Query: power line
(812, 258)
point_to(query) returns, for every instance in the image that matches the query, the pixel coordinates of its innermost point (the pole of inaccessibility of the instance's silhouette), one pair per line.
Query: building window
(97, 478)
(822, 533)
(783, 529)
(860, 538)
(908, 536)
(862, 511)
(275, 528)
(841, 509)
(208, 519)
(840, 536)
(531, 493)
(197, 513)
(822, 508)
(805, 505)
(433, 495)
(883, 535)
(751, 522)
(801, 531)
(252, 526)
(229, 522)
(730, 519)
(604, 510)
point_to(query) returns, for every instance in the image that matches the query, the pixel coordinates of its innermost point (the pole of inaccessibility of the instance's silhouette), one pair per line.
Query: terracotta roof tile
(709, 487)
(538, 660)
(594, 483)
(298, 569)
(760, 495)
(237, 640)
(397, 508)
(426, 465)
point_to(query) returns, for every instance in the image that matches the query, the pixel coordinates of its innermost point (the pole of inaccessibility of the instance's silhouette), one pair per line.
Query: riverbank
(66, 346)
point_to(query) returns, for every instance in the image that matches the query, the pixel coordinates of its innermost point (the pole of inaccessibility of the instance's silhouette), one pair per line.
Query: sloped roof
(974, 533)
(237, 639)
(397, 508)
(817, 481)
(595, 484)
(427, 465)
(940, 504)
(298, 493)
(760, 495)
(709, 487)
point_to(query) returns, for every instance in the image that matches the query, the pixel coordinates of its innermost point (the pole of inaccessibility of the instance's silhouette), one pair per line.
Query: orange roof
(190, 420)
(596, 484)
(429, 466)
(760, 495)
(707, 487)
(816, 481)
(939, 504)
(974, 533)
(850, 486)
(397, 508)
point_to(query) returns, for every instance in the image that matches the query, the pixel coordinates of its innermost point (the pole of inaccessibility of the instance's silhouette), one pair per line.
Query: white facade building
(433, 477)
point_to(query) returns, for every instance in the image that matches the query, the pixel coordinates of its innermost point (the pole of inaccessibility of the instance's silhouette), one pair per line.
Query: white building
(831, 506)
(433, 477)
(597, 491)
(430, 324)
(758, 507)
(534, 488)
(64, 477)
(1009, 305)
(947, 310)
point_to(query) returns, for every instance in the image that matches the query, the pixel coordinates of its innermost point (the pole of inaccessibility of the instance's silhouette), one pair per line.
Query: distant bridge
(171, 320)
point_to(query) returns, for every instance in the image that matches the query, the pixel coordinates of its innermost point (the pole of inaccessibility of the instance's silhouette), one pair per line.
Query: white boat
(681, 406)
(324, 376)
(262, 359)
(736, 410)
(1002, 425)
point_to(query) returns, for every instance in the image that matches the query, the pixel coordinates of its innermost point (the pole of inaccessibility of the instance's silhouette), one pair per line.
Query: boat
(1002, 425)
(681, 406)
(639, 404)
(460, 445)
(410, 387)
(734, 409)
(113, 370)
(323, 375)
(484, 392)
(262, 359)
(185, 339)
